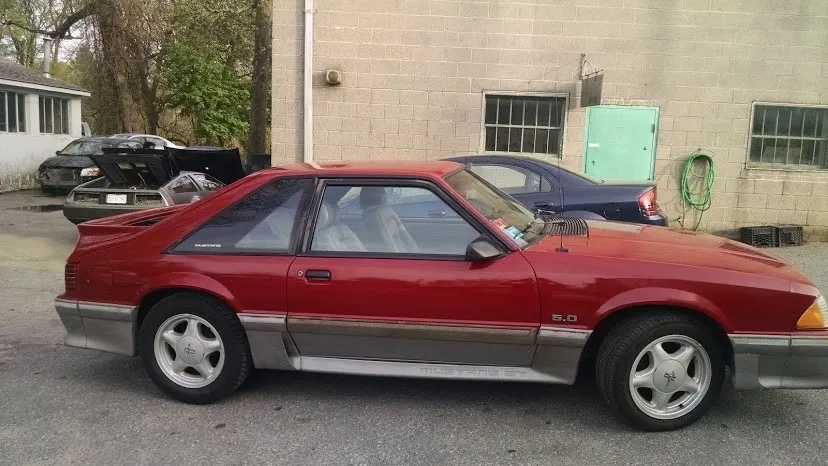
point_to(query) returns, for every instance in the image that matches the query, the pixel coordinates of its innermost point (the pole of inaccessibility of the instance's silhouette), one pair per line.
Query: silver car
(146, 178)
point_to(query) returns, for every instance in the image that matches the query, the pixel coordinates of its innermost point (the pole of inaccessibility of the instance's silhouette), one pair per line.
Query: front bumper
(780, 361)
(105, 327)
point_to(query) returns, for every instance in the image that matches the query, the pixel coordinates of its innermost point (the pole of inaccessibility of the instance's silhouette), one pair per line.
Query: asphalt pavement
(61, 405)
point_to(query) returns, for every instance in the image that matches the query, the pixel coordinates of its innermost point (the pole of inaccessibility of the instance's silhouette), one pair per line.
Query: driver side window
(389, 219)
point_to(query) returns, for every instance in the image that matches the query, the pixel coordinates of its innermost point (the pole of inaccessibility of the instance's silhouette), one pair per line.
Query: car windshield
(505, 213)
(82, 148)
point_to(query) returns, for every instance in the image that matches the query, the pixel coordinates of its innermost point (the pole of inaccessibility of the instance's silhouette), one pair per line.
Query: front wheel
(194, 348)
(660, 372)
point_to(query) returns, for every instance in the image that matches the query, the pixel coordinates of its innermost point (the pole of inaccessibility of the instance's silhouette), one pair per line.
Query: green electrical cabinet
(620, 142)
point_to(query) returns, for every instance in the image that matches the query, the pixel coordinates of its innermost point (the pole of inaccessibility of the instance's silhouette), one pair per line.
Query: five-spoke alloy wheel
(189, 351)
(670, 377)
(194, 348)
(660, 371)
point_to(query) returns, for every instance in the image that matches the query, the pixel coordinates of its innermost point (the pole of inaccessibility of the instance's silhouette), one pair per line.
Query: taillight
(648, 203)
(85, 197)
(70, 276)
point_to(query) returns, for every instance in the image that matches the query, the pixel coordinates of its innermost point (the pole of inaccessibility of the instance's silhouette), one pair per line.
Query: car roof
(437, 168)
(104, 139)
(506, 158)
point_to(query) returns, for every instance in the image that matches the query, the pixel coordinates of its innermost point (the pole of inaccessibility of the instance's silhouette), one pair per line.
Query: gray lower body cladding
(548, 354)
(780, 361)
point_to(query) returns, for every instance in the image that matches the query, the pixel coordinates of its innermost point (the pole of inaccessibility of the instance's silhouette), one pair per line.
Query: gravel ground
(71, 406)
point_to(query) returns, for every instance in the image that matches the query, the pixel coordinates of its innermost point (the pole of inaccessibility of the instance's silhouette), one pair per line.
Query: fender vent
(568, 226)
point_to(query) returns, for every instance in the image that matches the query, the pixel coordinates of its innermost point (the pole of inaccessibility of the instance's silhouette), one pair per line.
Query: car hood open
(135, 167)
(222, 164)
(152, 167)
(67, 161)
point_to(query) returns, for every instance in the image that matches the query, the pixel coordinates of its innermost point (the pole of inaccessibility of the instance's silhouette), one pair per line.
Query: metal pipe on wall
(308, 83)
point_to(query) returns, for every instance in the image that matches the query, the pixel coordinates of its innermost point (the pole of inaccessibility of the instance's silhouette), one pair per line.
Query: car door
(531, 188)
(353, 294)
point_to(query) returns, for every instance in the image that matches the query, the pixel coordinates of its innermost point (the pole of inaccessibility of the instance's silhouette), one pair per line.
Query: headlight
(815, 317)
(91, 171)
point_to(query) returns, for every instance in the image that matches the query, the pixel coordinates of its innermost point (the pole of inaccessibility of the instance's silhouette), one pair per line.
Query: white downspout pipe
(308, 85)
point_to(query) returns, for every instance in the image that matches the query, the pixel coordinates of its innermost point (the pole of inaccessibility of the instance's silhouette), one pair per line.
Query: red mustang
(424, 270)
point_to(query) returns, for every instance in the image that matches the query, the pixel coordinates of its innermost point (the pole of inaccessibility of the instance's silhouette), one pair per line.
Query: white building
(38, 115)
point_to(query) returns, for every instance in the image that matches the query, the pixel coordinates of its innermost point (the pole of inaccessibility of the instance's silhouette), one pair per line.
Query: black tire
(237, 359)
(622, 346)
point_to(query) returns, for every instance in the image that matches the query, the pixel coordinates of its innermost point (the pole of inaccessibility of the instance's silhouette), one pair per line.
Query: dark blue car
(546, 188)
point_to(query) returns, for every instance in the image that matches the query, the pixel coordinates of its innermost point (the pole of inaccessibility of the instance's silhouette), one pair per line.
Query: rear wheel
(660, 372)
(194, 348)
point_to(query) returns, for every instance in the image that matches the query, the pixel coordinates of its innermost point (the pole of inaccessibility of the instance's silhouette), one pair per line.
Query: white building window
(524, 123)
(12, 112)
(54, 115)
(793, 136)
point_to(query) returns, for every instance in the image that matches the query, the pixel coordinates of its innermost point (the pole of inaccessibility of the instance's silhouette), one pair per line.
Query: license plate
(116, 198)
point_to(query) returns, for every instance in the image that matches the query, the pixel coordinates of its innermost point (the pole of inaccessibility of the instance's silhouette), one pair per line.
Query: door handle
(318, 275)
(436, 213)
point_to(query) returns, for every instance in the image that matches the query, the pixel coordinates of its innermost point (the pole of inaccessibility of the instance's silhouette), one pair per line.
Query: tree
(23, 20)
(194, 70)
(206, 66)
(260, 79)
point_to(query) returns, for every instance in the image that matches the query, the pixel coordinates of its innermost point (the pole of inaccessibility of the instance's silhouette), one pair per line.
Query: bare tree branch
(62, 30)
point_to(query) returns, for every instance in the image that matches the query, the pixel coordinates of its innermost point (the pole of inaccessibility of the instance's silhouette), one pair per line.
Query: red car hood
(671, 246)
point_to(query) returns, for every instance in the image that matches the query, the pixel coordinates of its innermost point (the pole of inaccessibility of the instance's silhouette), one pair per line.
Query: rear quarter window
(262, 222)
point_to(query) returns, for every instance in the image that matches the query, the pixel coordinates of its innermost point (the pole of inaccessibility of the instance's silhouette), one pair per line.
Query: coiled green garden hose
(697, 187)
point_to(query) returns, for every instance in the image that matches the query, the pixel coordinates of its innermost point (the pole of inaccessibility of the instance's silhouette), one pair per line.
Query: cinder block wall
(414, 72)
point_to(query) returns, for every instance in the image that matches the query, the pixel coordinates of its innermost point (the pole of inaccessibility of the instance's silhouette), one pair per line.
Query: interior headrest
(327, 215)
(372, 196)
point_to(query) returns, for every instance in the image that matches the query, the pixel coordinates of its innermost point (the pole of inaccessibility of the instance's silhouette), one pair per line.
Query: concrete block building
(743, 80)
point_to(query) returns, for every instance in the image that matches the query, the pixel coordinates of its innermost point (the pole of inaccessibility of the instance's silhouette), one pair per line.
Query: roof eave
(41, 87)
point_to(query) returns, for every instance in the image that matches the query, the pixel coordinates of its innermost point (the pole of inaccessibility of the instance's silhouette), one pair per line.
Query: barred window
(54, 115)
(12, 112)
(524, 123)
(793, 136)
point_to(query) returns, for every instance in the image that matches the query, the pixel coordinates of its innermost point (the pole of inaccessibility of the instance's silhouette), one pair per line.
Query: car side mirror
(482, 249)
(57, 152)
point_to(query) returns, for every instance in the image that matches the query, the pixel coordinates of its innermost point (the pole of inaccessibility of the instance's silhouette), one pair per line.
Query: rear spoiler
(103, 230)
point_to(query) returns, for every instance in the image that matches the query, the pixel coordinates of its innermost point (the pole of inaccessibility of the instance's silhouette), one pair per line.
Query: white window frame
(4, 96)
(783, 166)
(42, 116)
(564, 121)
